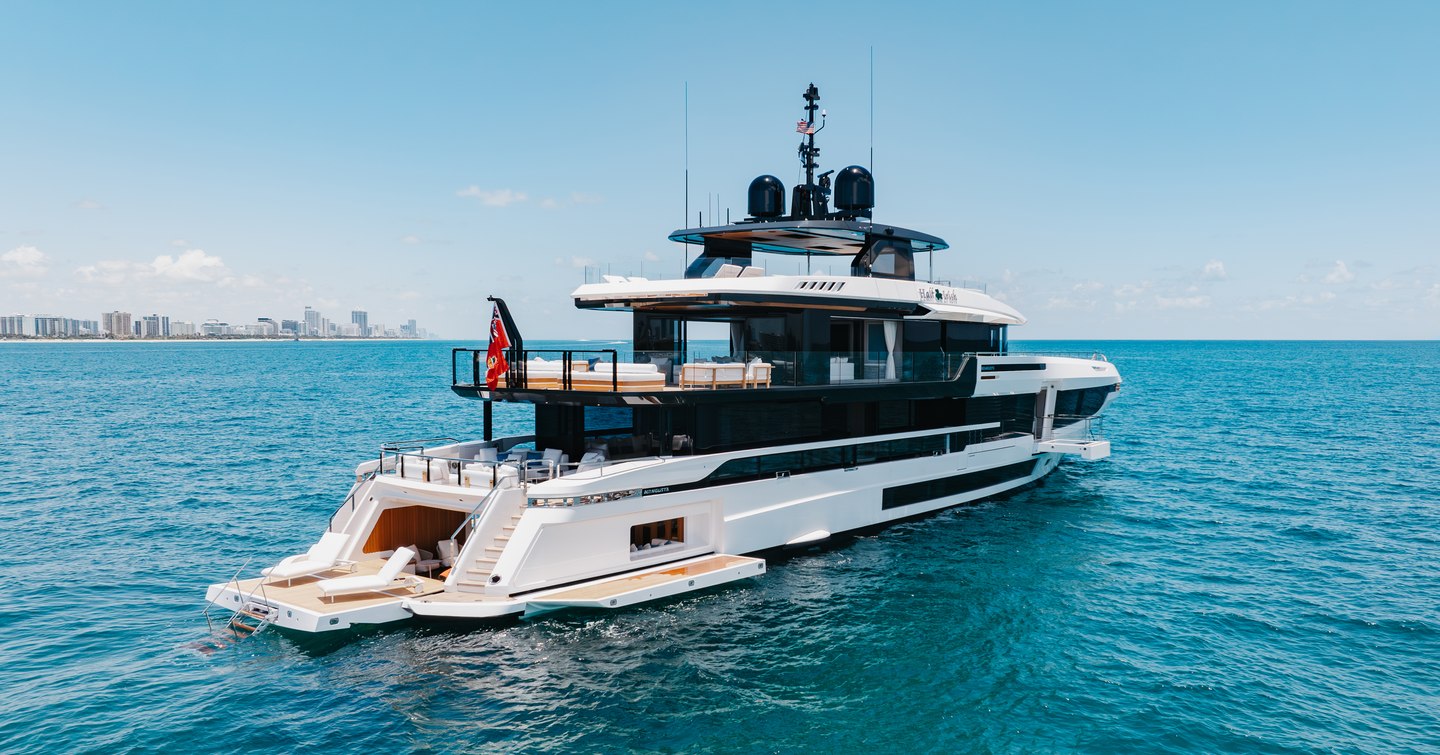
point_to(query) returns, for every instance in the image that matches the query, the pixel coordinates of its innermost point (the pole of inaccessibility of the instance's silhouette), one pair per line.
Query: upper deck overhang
(835, 237)
(878, 296)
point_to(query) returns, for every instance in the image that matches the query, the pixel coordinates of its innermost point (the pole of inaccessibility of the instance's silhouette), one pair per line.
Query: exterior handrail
(410, 445)
(494, 491)
(1097, 356)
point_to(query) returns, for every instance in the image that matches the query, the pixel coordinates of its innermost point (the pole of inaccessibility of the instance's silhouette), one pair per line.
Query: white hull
(526, 544)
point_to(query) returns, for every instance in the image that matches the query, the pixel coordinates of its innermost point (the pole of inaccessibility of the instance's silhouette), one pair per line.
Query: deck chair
(757, 372)
(424, 560)
(322, 556)
(551, 462)
(389, 578)
(448, 550)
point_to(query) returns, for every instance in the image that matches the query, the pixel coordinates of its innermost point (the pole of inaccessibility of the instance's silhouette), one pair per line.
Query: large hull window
(652, 535)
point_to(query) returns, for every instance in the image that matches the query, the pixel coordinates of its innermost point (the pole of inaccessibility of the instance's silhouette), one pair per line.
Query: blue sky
(1112, 169)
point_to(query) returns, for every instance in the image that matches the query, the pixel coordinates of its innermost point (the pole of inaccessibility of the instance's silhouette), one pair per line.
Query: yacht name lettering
(935, 293)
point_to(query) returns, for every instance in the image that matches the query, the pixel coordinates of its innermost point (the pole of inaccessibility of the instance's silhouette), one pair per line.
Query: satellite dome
(854, 190)
(767, 197)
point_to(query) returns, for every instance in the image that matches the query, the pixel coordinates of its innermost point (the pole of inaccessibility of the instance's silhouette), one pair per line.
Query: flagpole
(687, 172)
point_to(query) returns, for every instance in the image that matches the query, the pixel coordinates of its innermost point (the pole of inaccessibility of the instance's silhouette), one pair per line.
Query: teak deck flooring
(304, 593)
(621, 585)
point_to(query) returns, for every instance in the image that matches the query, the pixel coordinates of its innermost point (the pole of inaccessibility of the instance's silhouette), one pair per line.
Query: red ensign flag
(495, 364)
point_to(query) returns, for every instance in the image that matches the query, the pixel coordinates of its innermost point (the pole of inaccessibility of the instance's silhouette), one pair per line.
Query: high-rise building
(408, 330)
(312, 323)
(14, 325)
(117, 324)
(290, 327)
(180, 329)
(361, 318)
(49, 326)
(155, 326)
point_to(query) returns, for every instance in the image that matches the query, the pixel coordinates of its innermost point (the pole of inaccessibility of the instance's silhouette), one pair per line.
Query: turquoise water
(1256, 569)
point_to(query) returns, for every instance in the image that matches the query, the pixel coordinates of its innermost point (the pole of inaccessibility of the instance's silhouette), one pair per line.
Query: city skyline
(124, 325)
(1186, 170)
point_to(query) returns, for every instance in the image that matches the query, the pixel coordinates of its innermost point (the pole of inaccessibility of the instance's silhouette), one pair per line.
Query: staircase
(477, 575)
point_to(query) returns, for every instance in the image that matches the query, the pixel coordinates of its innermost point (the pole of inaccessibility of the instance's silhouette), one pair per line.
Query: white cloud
(22, 262)
(549, 203)
(111, 272)
(1063, 302)
(89, 204)
(493, 197)
(1339, 274)
(409, 238)
(579, 198)
(1214, 270)
(191, 265)
(1182, 302)
(1132, 289)
(652, 257)
(1324, 297)
(179, 243)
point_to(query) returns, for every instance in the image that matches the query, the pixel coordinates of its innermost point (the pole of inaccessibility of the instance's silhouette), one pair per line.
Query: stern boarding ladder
(246, 621)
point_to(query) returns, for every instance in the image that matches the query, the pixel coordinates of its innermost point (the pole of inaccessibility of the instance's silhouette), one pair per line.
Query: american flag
(801, 127)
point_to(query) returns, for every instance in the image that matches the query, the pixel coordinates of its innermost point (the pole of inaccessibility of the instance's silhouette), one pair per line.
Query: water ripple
(1254, 570)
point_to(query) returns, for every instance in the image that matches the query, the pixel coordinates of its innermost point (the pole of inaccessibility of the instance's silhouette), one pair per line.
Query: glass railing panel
(713, 366)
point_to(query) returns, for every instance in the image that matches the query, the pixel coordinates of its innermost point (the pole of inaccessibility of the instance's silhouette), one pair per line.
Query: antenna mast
(808, 150)
(810, 200)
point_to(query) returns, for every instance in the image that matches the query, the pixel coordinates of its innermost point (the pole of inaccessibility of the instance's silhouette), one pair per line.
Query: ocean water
(1255, 569)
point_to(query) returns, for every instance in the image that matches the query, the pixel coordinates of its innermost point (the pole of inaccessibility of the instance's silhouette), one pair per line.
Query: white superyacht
(845, 402)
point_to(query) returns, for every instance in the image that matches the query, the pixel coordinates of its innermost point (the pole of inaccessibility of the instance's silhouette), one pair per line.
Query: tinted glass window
(892, 415)
(787, 462)
(737, 468)
(825, 458)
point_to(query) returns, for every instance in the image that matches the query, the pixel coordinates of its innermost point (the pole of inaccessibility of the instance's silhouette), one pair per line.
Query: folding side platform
(651, 584)
(1089, 450)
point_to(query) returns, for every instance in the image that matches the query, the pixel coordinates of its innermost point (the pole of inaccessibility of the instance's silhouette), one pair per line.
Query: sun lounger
(607, 376)
(389, 578)
(322, 556)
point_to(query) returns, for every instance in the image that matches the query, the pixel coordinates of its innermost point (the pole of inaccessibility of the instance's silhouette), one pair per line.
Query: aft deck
(302, 606)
